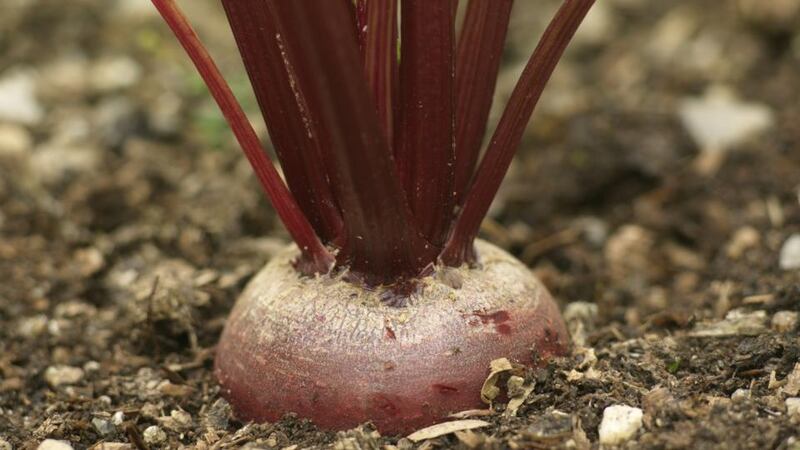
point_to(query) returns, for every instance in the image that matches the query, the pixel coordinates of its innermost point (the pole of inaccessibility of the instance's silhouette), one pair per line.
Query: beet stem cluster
(377, 111)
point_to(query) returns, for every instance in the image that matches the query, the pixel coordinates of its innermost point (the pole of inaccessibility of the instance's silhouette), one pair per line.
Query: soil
(129, 223)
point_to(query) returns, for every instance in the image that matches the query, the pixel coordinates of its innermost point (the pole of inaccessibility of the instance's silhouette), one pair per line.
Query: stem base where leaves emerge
(341, 355)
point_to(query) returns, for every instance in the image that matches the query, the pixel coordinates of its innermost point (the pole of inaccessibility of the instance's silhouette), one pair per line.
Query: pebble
(164, 113)
(774, 14)
(154, 435)
(18, 103)
(89, 261)
(15, 140)
(104, 427)
(53, 162)
(718, 120)
(784, 321)
(743, 239)
(115, 73)
(5, 445)
(32, 327)
(598, 26)
(593, 229)
(94, 366)
(790, 253)
(65, 77)
(134, 9)
(582, 311)
(628, 252)
(740, 395)
(736, 322)
(63, 375)
(793, 406)
(177, 420)
(52, 444)
(620, 423)
(118, 418)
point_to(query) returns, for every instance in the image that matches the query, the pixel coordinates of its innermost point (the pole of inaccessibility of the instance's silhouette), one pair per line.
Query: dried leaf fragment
(489, 390)
(445, 428)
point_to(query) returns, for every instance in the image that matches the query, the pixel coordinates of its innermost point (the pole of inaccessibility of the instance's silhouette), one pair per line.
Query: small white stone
(18, 101)
(182, 418)
(740, 395)
(112, 446)
(52, 444)
(63, 375)
(154, 435)
(793, 406)
(784, 321)
(104, 427)
(14, 140)
(31, 327)
(118, 418)
(52, 162)
(718, 120)
(743, 239)
(619, 424)
(115, 73)
(91, 366)
(5, 445)
(790, 253)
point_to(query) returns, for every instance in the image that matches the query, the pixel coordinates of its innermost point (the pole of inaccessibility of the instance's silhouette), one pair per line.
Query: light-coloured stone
(790, 253)
(628, 252)
(112, 446)
(52, 444)
(784, 321)
(154, 435)
(718, 120)
(115, 73)
(742, 240)
(32, 327)
(740, 395)
(793, 406)
(18, 102)
(15, 140)
(5, 445)
(53, 162)
(118, 418)
(736, 322)
(63, 375)
(620, 423)
(104, 427)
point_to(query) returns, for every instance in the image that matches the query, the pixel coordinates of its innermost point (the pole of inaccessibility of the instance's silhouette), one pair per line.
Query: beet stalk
(387, 309)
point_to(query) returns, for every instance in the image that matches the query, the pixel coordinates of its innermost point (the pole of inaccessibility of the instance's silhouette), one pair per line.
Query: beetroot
(387, 309)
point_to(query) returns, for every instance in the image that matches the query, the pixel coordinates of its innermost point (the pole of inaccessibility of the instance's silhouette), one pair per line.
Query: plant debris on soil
(129, 223)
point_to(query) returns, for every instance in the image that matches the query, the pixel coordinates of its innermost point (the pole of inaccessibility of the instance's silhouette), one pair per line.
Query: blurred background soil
(656, 194)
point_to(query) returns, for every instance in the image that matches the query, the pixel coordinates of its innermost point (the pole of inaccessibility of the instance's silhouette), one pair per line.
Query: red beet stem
(316, 256)
(382, 243)
(360, 8)
(510, 129)
(425, 149)
(380, 58)
(480, 50)
(295, 135)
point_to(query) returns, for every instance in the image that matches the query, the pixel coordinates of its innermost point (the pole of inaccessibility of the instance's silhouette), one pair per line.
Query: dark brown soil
(129, 223)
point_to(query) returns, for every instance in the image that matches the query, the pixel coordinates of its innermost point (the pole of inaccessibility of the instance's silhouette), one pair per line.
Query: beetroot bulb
(386, 308)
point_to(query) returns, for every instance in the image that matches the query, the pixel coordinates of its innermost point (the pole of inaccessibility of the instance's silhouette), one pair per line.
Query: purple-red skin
(341, 363)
